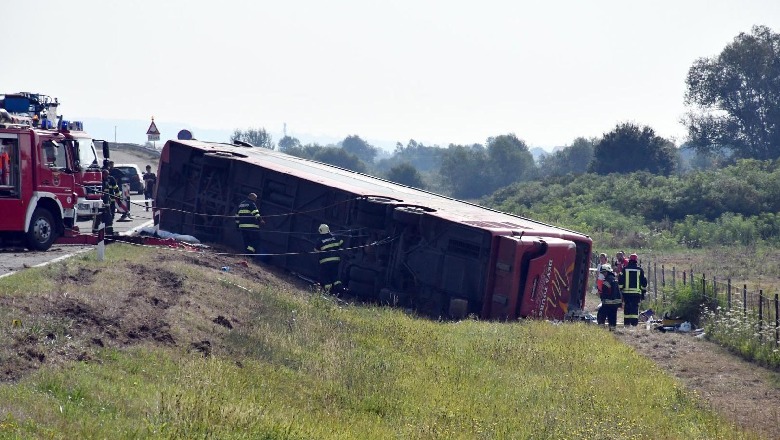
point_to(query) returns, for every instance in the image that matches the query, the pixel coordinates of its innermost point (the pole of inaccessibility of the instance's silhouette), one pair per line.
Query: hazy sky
(439, 72)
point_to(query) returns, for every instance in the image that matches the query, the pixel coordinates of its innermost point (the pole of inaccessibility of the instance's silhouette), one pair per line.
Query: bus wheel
(42, 232)
(408, 215)
(361, 289)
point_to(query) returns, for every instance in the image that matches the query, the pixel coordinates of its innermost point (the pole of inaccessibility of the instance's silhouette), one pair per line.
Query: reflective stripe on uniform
(335, 244)
(630, 316)
(248, 225)
(325, 260)
(632, 281)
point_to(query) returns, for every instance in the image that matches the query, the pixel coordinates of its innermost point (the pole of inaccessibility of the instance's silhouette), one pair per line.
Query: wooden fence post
(728, 298)
(744, 299)
(674, 278)
(685, 278)
(663, 276)
(777, 321)
(703, 285)
(714, 288)
(760, 314)
(655, 280)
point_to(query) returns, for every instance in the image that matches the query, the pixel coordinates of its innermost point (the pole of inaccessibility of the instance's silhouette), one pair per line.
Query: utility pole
(114, 134)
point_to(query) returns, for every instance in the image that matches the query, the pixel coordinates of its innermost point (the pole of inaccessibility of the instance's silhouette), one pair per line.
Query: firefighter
(610, 296)
(248, 221)
(600, 312)
(150, 179)
(620, 262)
(634, 286)
(328, 249)
(117, 174)
(110, 193)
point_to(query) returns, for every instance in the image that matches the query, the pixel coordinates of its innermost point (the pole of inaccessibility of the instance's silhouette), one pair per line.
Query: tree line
(736, 204)
(733, 118)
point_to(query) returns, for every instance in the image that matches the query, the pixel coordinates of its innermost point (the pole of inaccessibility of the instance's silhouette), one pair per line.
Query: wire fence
(725, 295)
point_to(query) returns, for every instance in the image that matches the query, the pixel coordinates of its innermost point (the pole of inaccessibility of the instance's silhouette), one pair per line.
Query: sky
(438, 72)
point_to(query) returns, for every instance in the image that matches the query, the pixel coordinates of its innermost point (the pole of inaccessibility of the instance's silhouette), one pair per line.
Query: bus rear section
(537, 277)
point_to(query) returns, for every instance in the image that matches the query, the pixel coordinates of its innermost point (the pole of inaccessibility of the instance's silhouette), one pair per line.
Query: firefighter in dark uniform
(610, 296)
(634, 285)
(110, 194)
(328, 249)
(248, 221)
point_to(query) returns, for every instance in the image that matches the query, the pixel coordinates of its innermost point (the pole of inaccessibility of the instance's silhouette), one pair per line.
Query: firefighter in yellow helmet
(248, 221)
(328, 250)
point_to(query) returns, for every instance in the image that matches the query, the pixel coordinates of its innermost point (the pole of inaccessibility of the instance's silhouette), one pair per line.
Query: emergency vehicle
(37, 183)
(41, 111)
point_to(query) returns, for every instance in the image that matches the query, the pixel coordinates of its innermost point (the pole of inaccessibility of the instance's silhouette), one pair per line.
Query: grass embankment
(299, 365)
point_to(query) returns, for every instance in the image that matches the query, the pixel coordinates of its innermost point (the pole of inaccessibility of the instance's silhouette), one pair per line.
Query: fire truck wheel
(42, 231)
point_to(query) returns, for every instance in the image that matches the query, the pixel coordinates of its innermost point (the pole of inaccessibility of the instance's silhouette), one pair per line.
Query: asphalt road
(13, 260)
(16, 259)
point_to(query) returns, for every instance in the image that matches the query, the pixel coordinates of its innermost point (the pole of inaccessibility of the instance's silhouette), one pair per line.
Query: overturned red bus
(403, 246)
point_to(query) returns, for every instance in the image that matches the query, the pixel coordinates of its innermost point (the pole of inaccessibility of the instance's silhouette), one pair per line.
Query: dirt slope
(64, 326)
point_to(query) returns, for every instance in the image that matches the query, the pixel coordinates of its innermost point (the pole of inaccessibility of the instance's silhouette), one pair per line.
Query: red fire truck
(37, 183)
(41, 110)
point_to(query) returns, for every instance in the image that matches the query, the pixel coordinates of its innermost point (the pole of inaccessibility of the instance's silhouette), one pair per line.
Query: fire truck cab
(38, 171)
(41, 112)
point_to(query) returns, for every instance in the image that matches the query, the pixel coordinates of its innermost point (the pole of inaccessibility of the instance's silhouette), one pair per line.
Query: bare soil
(59, 327)
(740, 391)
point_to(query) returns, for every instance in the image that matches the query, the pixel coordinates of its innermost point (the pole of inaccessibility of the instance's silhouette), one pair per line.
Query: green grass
(302, 366)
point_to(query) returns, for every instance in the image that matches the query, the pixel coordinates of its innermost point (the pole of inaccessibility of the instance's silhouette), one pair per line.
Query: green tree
(462, 170)
(424, 158)
(406, 174)
(573, 159)
(508, 161)
(256, 137)
(340, 158)
(307, 151)
(738, 95)
(360, 148)
(288, 143)
(630, 148)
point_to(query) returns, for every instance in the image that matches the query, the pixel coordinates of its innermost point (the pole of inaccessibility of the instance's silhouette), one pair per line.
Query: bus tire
(361, 289)
(407, 215)
(357, 273)
(42, 231)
